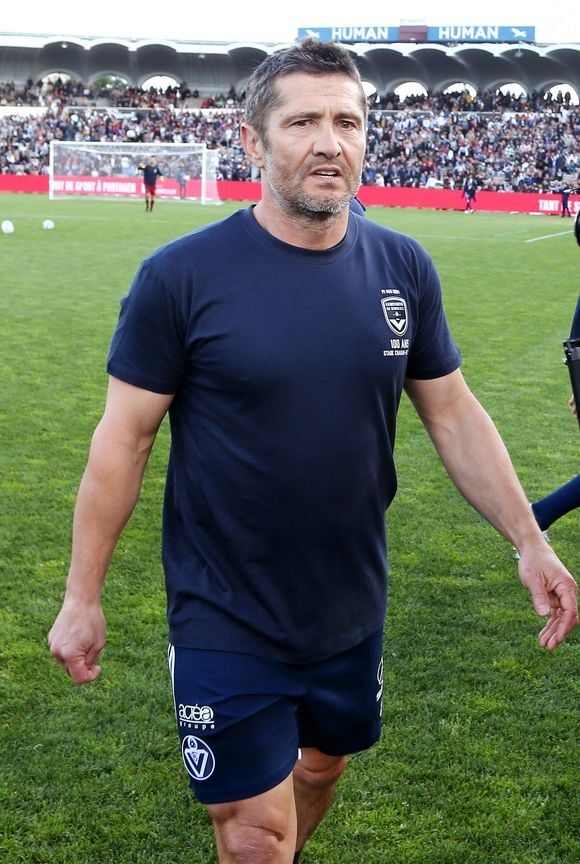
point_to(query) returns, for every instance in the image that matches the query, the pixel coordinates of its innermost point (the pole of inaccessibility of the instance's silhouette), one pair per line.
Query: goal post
(105, 169)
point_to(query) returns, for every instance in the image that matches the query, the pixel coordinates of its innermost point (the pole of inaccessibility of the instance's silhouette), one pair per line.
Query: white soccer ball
(47, 225)
(7, 227)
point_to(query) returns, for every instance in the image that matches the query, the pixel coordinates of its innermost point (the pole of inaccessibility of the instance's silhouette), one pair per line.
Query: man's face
(314, 147)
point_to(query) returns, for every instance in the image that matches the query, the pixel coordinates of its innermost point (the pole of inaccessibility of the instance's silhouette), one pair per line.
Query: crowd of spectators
(507, 143)
(109, 92)
(522, 151)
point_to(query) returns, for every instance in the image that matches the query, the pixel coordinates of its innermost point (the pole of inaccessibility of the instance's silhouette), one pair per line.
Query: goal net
(103, 169)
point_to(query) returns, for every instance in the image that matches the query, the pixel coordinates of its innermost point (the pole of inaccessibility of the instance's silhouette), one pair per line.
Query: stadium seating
(509, 143)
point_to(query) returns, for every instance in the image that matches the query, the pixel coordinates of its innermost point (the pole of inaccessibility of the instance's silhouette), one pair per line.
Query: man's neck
(302, 231)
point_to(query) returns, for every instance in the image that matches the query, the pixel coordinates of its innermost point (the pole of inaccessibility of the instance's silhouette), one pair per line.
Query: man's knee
(256, 830)
(317, 770)
(247, 844)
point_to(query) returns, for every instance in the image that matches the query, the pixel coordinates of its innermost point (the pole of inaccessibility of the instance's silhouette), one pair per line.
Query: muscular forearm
(477, 461)
(479, 464)
(107, 496)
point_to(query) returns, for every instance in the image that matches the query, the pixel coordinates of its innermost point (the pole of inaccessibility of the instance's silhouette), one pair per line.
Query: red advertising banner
(24, 183)
(228, 190)
(451, 199)
(126, 187)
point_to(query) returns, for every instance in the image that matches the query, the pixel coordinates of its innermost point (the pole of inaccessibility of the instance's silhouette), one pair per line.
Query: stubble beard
(299, 204)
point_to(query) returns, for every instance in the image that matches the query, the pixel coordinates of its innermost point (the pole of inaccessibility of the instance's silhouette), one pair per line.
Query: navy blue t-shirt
(287, 366)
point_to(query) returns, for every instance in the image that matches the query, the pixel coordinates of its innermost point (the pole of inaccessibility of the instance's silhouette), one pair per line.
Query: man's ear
(252, 144)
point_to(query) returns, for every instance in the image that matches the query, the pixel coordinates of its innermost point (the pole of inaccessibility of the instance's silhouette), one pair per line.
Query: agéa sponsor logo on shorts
(195, 716)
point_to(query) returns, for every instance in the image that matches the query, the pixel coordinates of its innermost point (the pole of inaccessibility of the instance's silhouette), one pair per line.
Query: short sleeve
(148, 346)
(434, 352)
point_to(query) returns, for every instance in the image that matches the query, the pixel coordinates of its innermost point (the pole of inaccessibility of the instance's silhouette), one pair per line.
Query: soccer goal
(103, 169)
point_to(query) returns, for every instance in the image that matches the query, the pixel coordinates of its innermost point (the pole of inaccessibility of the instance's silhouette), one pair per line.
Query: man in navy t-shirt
(565, 498)
(279, 340)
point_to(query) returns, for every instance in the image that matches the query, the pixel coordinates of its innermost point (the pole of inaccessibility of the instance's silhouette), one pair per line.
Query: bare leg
(260, 830)
(315, 778)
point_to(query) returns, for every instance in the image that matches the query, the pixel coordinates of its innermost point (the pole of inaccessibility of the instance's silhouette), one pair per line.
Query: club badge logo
(198, 758)
(380, 682)
(395, 312)
(380, 678)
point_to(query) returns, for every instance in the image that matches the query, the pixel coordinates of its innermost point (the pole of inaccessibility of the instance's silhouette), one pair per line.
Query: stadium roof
(212, 67)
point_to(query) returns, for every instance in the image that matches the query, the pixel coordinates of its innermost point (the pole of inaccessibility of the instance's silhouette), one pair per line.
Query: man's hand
(77, 639)
(554, 592)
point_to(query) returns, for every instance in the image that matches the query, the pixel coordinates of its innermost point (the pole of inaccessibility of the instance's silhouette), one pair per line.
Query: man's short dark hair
(311, 56)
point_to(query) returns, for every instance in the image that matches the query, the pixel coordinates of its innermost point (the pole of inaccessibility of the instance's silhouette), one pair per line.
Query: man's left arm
(479, 464)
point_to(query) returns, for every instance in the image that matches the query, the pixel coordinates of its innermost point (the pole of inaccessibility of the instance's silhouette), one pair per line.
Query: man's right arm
(107, 496)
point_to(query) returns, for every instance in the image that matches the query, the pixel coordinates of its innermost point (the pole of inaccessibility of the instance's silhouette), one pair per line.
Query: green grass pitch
(478, 762)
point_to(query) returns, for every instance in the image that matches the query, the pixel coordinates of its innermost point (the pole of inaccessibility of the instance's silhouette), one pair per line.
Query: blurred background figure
(547, 510)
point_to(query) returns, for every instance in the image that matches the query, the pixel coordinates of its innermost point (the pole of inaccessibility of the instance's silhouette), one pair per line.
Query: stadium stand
(508, 143)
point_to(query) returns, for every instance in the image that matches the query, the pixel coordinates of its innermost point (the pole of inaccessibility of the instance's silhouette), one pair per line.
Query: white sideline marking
(548, 236)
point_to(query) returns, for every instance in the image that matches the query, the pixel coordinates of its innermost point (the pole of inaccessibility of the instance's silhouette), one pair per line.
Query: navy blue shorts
(242, 720)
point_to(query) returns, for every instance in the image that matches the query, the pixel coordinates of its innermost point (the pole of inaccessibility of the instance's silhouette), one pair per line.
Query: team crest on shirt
(198, 758)
(396, 315)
